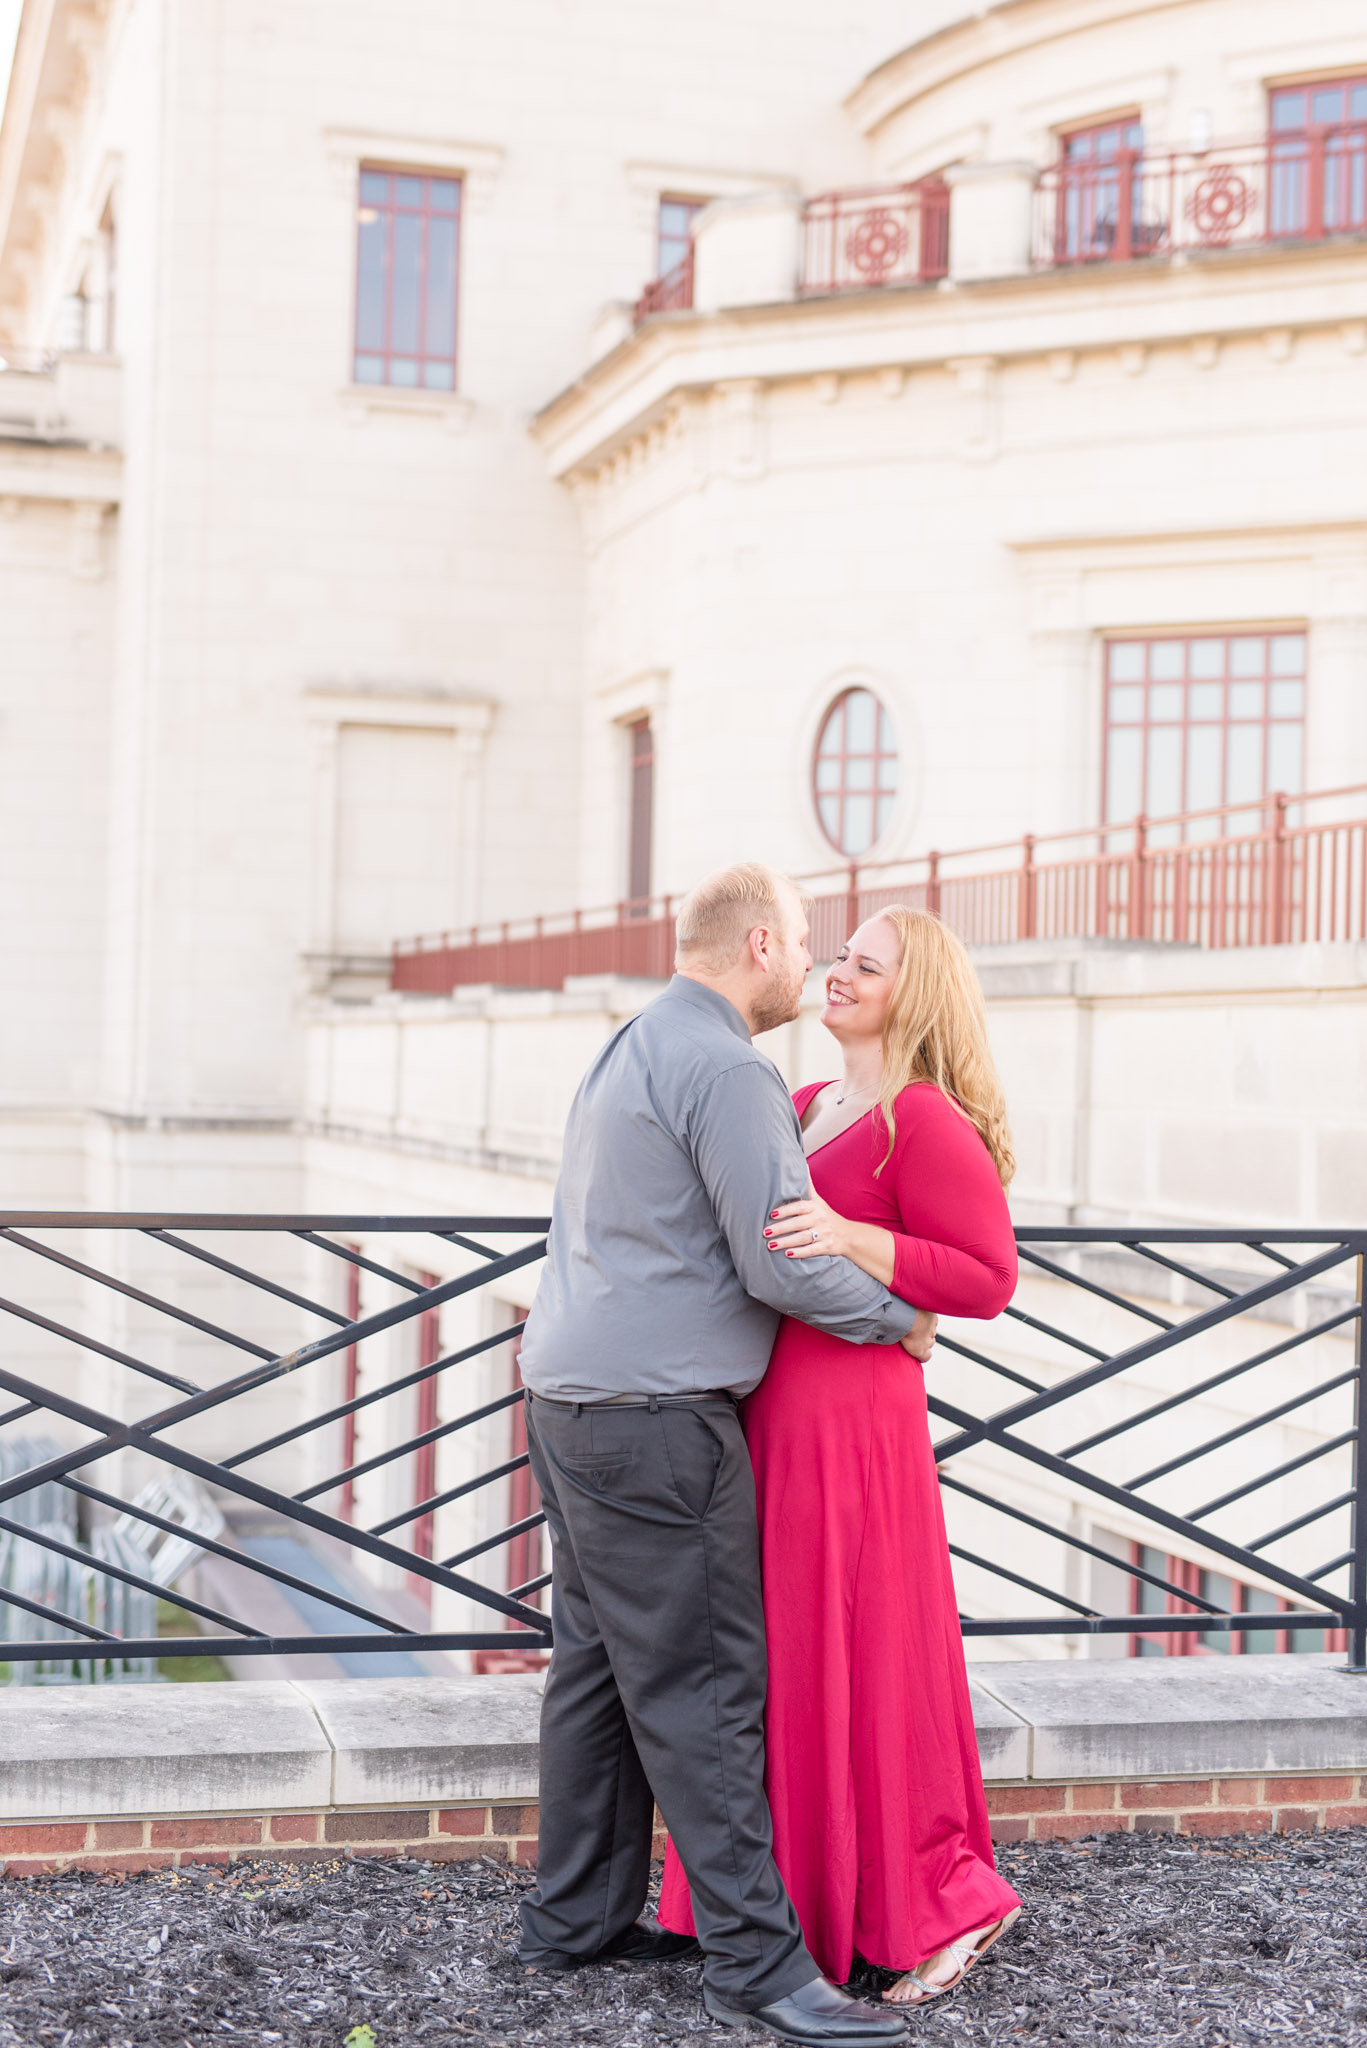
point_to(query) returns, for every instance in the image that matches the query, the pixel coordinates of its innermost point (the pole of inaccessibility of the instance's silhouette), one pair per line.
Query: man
(656, 1311)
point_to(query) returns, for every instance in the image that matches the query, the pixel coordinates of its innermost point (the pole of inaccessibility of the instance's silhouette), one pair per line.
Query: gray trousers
(656, 1689)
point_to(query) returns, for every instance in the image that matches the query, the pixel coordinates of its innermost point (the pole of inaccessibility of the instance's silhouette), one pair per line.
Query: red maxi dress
(880, 1824)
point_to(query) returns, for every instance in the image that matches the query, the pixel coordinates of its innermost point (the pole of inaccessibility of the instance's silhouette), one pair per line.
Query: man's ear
(761, 945)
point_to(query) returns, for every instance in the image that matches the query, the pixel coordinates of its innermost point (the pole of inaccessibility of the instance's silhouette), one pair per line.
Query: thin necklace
(850, 1091)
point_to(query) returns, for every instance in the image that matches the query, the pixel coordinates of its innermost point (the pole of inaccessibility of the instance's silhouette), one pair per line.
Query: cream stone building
(459, 466)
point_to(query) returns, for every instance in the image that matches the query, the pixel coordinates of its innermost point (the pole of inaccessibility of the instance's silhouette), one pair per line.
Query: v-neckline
(836, 1135)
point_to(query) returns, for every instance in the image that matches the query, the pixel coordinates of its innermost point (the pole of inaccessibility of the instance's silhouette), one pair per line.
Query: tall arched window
(854, 772)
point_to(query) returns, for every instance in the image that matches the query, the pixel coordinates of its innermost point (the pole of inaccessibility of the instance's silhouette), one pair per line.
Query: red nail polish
(787, 1255)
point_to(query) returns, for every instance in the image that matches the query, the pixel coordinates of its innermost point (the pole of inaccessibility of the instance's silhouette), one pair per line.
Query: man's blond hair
(717, 917)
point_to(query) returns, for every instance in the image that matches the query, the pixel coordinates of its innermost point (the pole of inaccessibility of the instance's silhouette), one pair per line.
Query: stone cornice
(53, 59)
(639, 387)
(981, 38)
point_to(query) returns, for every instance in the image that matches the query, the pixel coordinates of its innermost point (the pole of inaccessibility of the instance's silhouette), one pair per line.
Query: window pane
(404, 372)
(1206, 700)
(1259, 1642)
(1205, 658)
(1246, 657)
(1327, 104)
(1165, 703)
(439, 377)
(444, 194)
(859, 771)
(370, 271)
(1167, 660)
(1288, 110)
(887, 743)
(828, 810)
(1127, 705)
(1216, 1587)
(860, 722)
(1124, 771)
(1127, 661)
(440, 339)
(405, 335)
(858, 824)
(1204, 750)
(374, 186)
(370, 369)
(1151, 1599)
(1164, 793)
(833, 731)
(408, 191)
(1246, 700)
(1285, 769)
(884, 814)
(1357, 103)
(1244, 775)
(1286, 700)
(827, 773)
(1286, 654)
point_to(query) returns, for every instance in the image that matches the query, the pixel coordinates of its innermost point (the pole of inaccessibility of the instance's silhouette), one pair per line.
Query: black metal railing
(1144, 1368)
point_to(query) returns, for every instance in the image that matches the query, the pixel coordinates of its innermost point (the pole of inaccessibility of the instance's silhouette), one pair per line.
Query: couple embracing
(726, 1416)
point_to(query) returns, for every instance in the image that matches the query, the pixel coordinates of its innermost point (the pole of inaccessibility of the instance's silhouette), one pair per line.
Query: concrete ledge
(1184, 1716)
(138, 1777)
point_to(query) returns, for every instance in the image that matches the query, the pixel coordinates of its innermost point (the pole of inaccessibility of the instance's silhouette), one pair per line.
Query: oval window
(854, 772)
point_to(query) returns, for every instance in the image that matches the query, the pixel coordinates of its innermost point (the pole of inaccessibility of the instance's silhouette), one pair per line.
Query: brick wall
(452, 1834)
(441, 1834)
(1177, 1806)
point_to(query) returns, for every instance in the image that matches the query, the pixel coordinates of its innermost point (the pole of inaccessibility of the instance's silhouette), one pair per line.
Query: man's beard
(780, 1002)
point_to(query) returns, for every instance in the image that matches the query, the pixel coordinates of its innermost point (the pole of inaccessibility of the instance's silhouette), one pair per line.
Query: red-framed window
(674, 231)
(407, 277)
(351, 1387)
(1230, 1596)
(1194, 721)
(1317, 145)
(854, 772)
(641, 811)
(425, 1419)
(1098, 189)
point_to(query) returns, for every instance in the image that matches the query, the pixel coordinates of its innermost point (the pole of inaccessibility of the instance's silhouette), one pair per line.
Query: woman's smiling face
(859, 986)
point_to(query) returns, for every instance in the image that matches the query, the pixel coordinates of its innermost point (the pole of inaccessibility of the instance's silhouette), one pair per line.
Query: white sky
(9, 29)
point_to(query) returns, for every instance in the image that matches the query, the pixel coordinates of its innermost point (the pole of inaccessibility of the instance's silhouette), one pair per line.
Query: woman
(880, 1824)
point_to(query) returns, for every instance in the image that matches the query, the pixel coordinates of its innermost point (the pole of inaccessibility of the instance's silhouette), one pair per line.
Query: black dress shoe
(815, 2012)
(645, 1942)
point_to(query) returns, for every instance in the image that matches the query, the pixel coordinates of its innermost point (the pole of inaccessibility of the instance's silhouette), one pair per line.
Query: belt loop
(576, 1409)
(653, 1404)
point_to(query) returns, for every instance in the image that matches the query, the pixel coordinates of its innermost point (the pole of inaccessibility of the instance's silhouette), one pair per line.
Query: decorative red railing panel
(672, 293)
(881, 235)
(1287, 187)
(1201, 879)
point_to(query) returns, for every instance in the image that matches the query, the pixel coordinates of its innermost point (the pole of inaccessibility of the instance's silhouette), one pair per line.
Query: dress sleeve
(955, 1253)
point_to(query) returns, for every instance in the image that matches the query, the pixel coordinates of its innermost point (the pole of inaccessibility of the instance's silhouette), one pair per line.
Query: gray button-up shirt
(681, 1139)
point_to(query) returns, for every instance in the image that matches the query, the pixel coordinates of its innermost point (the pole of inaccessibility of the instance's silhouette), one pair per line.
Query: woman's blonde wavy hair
(936, 1030)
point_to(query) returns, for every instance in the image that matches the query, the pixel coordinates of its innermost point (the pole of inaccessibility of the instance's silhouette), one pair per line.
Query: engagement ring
(816, 1235)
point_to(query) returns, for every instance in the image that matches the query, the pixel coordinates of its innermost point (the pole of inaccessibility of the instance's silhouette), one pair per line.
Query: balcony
(849, 241)
(1280, 872)
(1010, 220)
(1282, 189)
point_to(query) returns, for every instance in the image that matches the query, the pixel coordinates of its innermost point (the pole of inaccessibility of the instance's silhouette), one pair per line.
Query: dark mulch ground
(1126, 1939)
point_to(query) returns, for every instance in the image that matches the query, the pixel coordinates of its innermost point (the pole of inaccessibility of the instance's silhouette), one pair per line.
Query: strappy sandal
(916, 1990)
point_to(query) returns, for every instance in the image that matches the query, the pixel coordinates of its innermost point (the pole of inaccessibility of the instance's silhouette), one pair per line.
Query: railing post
(1139, 922)
(933, 884)
(1357, 1541)
(851, 898)
(1279, 879)
(1124, 227)
(1025, 919)
(1314, 194)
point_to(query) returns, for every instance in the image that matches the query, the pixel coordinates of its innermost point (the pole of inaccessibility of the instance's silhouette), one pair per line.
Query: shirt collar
(685, 990)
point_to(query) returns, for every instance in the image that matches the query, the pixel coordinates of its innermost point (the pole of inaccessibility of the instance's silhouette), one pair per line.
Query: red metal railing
(880, 235)
(672, 293)
(1263, 874)
(1287, 187)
